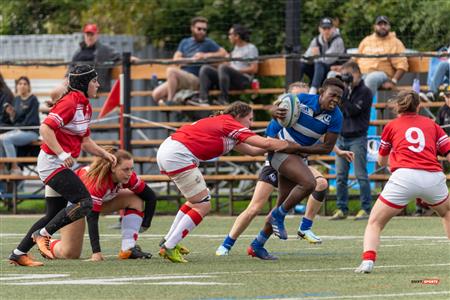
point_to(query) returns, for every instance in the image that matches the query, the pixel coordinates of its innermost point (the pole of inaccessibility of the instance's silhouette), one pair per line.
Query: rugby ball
(292, 106)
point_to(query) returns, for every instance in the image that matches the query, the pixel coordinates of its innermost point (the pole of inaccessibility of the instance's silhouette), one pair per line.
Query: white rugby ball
(292, 106)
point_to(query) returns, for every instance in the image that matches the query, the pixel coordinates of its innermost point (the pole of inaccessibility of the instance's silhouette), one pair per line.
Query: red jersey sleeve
(442, 141)
(386, 141)
(235, 130)
(62, 113)
(135, 184)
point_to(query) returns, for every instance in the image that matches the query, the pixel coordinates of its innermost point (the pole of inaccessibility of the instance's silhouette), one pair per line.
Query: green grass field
(412, 249)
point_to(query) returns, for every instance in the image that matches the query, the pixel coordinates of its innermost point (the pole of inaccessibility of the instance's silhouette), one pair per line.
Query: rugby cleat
(366, 267)
(173, 255)
(134, 253)
(277, 223)
(181, 248)
(260, 252)
(222, 251)
(24, 260)
(43, 244)
(309, 236)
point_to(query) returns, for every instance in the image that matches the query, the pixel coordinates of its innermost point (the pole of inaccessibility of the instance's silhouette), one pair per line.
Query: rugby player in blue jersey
(320, 116)
(268, 181)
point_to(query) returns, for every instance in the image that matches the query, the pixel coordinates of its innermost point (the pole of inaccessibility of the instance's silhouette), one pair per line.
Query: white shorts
(48, 165)
(408, 184)
(173, 158)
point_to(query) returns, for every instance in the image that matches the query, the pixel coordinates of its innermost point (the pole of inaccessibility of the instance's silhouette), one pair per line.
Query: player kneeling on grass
(409, 144)
(179, 156)
(268, 181)
(112, 188)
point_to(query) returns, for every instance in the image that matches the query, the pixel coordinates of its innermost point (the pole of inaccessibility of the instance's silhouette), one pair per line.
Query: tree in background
(421, 24)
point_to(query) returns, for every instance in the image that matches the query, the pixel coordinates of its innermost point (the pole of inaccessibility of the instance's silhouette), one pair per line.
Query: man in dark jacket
(327, 42)
(91, 50)
(356, 105)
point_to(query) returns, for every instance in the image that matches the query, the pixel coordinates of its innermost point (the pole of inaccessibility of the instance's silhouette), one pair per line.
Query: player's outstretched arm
(267, 144)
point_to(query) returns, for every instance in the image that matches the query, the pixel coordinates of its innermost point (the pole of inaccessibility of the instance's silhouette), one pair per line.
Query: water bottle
(300, 209)
(255, 84)
(154, 81)
(416, 86)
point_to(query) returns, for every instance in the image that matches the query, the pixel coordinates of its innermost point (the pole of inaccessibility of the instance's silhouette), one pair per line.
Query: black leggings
(52, 206)
(58, 214)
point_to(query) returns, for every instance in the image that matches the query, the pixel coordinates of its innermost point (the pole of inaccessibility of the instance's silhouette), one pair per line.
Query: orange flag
(112, 101)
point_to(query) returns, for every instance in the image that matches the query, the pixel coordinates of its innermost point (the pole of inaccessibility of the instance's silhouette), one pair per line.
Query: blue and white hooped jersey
(311, 125)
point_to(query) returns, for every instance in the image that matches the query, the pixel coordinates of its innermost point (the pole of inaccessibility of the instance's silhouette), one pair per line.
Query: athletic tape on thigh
(190, 182)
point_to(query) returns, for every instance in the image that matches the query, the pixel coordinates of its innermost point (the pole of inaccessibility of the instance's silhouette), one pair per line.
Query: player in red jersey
(112, 188)
(410, 145)
(65, 132)
(179, 156)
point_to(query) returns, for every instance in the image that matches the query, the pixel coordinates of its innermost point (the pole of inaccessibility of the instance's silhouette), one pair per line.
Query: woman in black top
(24, 111)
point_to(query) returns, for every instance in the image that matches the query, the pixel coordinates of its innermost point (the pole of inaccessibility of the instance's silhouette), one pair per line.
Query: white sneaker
(365, 267)
(222, 251)
(309, 236)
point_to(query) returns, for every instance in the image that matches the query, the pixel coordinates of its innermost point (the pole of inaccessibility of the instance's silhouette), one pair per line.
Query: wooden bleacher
(270, 67)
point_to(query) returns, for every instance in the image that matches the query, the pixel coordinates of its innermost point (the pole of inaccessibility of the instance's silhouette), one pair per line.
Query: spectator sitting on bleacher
(328, 41)
(438, 78)
(443, 114)
(23, 112)
(385, 71)
(196, 47)
(92, 50)
(235, 75)
(6, 99)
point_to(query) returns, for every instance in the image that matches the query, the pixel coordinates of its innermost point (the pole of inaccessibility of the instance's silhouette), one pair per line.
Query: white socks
(131, 223)
(185, 225)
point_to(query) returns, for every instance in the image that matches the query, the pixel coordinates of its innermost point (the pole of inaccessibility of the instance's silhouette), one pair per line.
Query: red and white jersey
(69, 119)
(414, 142)
(212, 137)
(108, 190)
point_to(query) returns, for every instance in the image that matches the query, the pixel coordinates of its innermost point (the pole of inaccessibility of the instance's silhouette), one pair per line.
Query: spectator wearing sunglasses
(194, 48)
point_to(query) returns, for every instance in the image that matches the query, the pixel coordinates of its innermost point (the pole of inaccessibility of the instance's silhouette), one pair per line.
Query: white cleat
(309, 236)
(222, 251)
(365, 267)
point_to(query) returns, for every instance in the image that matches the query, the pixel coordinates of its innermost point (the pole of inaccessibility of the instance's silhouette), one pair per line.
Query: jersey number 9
(418, 141)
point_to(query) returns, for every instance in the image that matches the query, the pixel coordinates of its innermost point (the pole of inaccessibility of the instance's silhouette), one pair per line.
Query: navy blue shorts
(269, 175)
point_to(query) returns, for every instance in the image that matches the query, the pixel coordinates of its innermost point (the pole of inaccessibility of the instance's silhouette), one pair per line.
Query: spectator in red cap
(93, 51)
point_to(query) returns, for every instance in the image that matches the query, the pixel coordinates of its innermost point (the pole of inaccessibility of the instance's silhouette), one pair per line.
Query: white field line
(32, 276)
(109, 281)
(125, 280)
(189, 283)
(368, 296)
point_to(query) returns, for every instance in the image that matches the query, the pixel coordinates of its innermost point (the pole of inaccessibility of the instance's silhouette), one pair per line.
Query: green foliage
(420, 24)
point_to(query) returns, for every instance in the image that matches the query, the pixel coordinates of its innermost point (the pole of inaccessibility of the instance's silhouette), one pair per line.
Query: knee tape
(190, 182)
(319, 195)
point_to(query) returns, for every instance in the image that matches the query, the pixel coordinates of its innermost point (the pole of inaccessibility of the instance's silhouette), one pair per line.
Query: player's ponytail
(238, 109)
(100, 169)
(407, 101)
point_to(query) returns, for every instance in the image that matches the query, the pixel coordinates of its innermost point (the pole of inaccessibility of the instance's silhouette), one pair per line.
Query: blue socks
(306, 224)
(280, 211)
(228, 242)
(260, 239)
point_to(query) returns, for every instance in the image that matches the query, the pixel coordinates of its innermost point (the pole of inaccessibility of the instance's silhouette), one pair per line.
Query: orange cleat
(24, 260)
(43, 244)
(134, 253)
